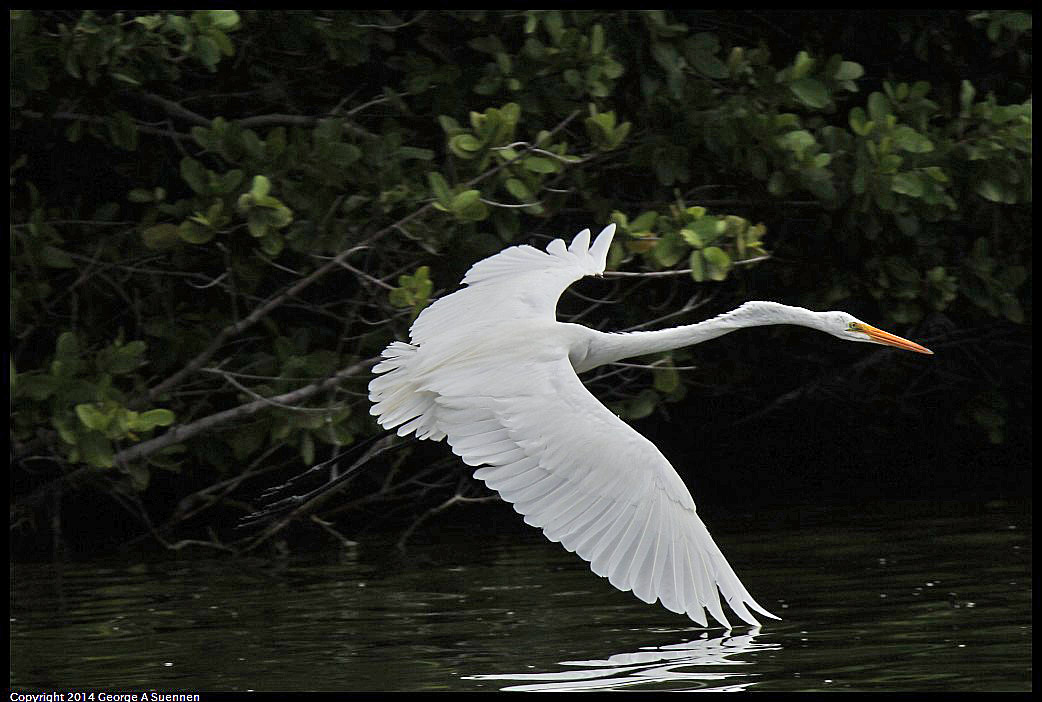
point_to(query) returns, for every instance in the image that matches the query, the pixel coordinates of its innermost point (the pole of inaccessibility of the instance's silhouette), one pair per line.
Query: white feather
(488, 368)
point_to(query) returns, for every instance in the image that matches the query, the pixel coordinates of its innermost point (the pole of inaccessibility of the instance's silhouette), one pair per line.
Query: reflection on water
(881, 598)
(689, 665)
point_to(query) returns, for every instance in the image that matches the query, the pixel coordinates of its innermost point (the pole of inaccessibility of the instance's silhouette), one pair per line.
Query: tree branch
(186, 431)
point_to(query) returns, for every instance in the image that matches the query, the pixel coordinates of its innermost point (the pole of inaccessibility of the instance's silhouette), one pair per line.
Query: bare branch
(77, 117)
(186, 431)
(392, 27)
(176, 110)
(676, 272)
(454, 500)
(308, 503)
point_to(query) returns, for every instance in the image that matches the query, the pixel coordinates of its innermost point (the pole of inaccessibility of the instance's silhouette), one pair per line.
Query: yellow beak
(882, 337)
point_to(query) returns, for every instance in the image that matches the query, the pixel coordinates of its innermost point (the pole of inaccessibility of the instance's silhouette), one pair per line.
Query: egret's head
(850, 328)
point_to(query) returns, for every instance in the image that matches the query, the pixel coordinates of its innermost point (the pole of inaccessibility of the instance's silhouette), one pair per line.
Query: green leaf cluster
(711, 244)
(265, 215)
(603, 131)
(83, 396)
(521, 168)
(128, 51)
(575, 55)
(413, 291)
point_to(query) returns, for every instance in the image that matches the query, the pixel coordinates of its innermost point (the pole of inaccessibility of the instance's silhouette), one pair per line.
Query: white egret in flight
(491, 370)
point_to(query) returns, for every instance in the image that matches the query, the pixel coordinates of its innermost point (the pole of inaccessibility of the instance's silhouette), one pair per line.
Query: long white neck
(607, 348)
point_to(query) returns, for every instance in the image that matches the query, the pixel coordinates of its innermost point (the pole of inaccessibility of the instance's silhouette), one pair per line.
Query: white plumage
(490, 369)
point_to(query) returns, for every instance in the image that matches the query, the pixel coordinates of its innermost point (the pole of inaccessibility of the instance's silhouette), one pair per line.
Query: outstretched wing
(520, 282)
(589, 481)
(480, 374)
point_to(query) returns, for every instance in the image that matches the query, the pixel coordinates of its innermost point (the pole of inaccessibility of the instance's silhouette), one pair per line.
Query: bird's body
(490, 369)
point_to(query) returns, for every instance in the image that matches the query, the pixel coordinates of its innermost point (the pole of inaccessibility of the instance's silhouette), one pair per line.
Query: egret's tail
(398, 398)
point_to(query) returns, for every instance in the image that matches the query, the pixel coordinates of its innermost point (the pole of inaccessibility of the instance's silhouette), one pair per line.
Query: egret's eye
(853, 326)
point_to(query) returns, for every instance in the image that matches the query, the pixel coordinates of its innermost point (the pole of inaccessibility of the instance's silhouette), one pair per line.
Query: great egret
(490, 369)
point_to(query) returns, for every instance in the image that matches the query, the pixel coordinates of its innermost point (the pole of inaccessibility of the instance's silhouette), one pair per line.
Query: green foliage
(1005, 26)
(576, 54)
(712, 245)
(214, 163)
(603, 132)
(264, 215)
(519, 175)
(83, 397)
(413, 291)
(126, 51)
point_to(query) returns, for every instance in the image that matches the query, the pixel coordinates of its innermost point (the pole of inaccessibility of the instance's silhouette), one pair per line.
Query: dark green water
(889, 597)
